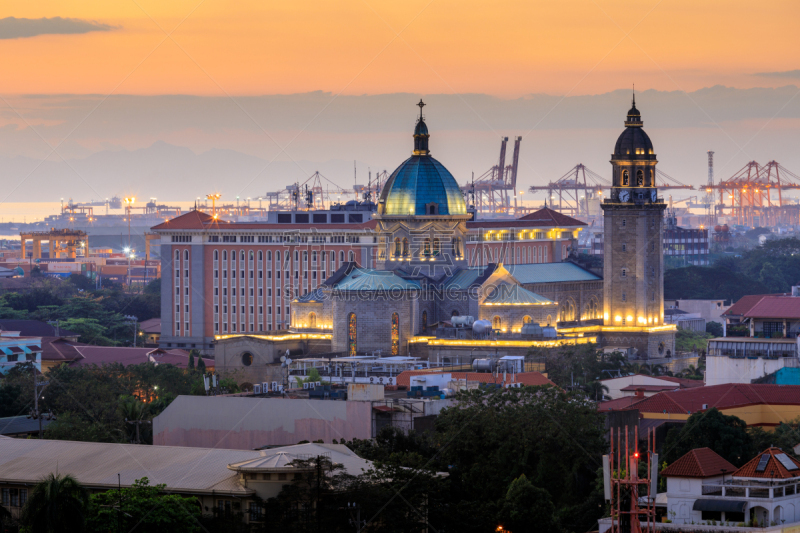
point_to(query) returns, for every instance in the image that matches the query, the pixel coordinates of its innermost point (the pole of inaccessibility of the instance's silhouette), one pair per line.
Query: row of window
(278, 256)
(353, 239)
(15, 497)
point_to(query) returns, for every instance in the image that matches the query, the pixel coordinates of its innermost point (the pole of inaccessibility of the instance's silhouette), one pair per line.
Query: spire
(421, 134)
(634, 117)
(634, 96)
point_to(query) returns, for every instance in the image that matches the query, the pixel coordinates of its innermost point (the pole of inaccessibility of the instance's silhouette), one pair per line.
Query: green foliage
(492, 438)
(97, 315)
(201, 365)
(772, 278)
(579, 364)
(230, 384)
(312, 377)
(191, 361)
(695, 282)
(726, 435)
(687, 340)
(57, 503)
(143, 507)
(527, 509)
(785, 436)
(714, 328)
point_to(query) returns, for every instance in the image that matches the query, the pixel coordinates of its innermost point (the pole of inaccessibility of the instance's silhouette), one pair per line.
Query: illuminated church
(422, 276)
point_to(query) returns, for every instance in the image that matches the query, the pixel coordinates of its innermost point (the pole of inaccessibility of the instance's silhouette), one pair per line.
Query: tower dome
(633, 141)
(421, 185)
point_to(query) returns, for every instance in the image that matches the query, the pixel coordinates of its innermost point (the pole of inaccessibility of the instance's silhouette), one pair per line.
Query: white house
(703, 487)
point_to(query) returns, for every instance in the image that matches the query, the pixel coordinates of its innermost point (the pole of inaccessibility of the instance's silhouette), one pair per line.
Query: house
(684, 319)
(710, 310)
(106, 355)
(735, 315)
(150, 331)
(649, 385)
(747, 359)
(229, 480)
(763, 405)
(16, 349)
(703, 487)
(37, 328)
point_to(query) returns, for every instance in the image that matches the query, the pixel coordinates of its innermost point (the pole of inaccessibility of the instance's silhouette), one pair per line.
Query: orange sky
(503, 47)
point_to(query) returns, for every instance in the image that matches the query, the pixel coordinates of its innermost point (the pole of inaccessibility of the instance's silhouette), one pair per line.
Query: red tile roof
(526, 378)
(685, 383)
(700, 462)
(543, 218)
(617, 405)
(775, 307)
(152, 325)
(106, 355)
(651, 388)
(59, 349)
(745, 303)
(773, 470)
(727, 396)
(191, 220)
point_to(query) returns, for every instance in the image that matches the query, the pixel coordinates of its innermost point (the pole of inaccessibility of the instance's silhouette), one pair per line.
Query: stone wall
(231, 356)
(512, 316)
(373, 313)
(647, 344)
(577, 295)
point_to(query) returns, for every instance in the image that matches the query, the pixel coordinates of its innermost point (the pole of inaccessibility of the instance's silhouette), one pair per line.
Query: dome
(630, 140)
(422, 128)
(418, 182)
(633, 141)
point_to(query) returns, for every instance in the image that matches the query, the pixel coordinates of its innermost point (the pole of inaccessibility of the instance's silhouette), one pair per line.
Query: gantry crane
(493, 190)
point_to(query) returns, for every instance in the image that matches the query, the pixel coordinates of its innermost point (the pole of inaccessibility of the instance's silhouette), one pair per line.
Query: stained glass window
(352, 334)
(395, 334)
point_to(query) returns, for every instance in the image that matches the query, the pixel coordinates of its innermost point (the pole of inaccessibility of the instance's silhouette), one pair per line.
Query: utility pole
(357, 522)
(38, 388)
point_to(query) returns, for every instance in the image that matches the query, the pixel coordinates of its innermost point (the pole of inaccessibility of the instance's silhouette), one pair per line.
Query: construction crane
(754, 195)
(311, 195)
(570, 194)
(493, 190)
(572, 191)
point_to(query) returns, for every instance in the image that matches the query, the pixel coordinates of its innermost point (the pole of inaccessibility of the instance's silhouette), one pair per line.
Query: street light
(213, 197)
(128, 204)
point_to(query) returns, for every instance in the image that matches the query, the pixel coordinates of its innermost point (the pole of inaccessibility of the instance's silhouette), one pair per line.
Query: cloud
(14, 28)
(782, 74)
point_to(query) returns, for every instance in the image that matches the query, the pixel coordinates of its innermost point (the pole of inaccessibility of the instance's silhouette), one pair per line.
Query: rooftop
(35, 328)
(745, 303)
(772, 463)
(699, 463)
(551, 273)
(543, 218)
(525, 378)
(775, 307)
(729, 395)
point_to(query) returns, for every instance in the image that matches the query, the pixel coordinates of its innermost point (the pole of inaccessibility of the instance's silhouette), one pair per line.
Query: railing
(749, 491)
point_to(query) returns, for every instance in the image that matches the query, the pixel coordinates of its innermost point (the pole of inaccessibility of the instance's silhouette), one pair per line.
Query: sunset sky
(112, 94)
(506, 47)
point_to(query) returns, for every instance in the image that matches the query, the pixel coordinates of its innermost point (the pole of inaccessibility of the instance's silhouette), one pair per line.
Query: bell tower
(633, 267)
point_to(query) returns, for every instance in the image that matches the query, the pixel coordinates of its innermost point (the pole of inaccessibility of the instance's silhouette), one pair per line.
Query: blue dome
(418, 182)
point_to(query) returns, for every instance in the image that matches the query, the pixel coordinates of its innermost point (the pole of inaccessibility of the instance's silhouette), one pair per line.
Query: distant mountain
(164, 171)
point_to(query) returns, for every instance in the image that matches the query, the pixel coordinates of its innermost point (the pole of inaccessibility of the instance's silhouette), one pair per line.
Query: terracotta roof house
(649, 385)
(106, 355)
(150, 330)
(703, 487)
(37, 328)
(775, 403)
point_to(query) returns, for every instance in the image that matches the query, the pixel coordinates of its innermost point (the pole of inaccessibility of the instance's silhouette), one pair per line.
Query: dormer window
(432, 208)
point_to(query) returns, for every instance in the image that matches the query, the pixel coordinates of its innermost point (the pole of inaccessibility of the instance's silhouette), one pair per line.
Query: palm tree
(56, 504)
(597, 391)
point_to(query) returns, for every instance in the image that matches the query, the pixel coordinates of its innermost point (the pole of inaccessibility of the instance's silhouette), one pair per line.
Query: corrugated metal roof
(281, 458)
(508, 294)
(96, 464)
(775, 307)
(550, 273)
(363, 279)
(463, 278)
(15, 425)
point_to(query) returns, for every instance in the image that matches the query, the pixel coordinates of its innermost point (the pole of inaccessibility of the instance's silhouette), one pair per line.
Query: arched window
(242, 255)
(625, 178)
(424, 322)
(405, 246)
(278, 256)
(260, 255)
(457, 247)
(251, 255)
(526, 319)
(397, 247)
(224, 255)
(351, 256)
(395, 334)
(455, 313)
(652, 182)
(639, 178)
(549, 320)
(497, 322)
(216, 255)
(341, 256)
(426, 247)
(333, 259)
(436, 246)
(312, 320)
(186, 255)
(352, 334)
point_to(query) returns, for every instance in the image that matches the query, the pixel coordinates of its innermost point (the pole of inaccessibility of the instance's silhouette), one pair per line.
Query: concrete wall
(265, 365)
(242, 423)
(711, 310)
(721, 369)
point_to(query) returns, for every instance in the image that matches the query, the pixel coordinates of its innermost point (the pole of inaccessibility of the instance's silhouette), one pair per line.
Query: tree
(527, 509)
(772, 278)
(726, 435)
(201, 365)
(56, 504)
(597, 391)
(191, 361)
(142, 507)
(714, 328)
(492, 437)
(5, 518)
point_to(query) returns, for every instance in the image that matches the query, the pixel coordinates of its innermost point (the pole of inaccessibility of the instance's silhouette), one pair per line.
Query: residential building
(747, 359)
(710, 310)
(223, 479)
(628, 386)
(150, 331)
(761, 405)
(37, 328)
(16, 349)
(704, 488)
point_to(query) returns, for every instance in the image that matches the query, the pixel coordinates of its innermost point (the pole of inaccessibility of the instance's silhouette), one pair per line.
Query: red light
(635, 455)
